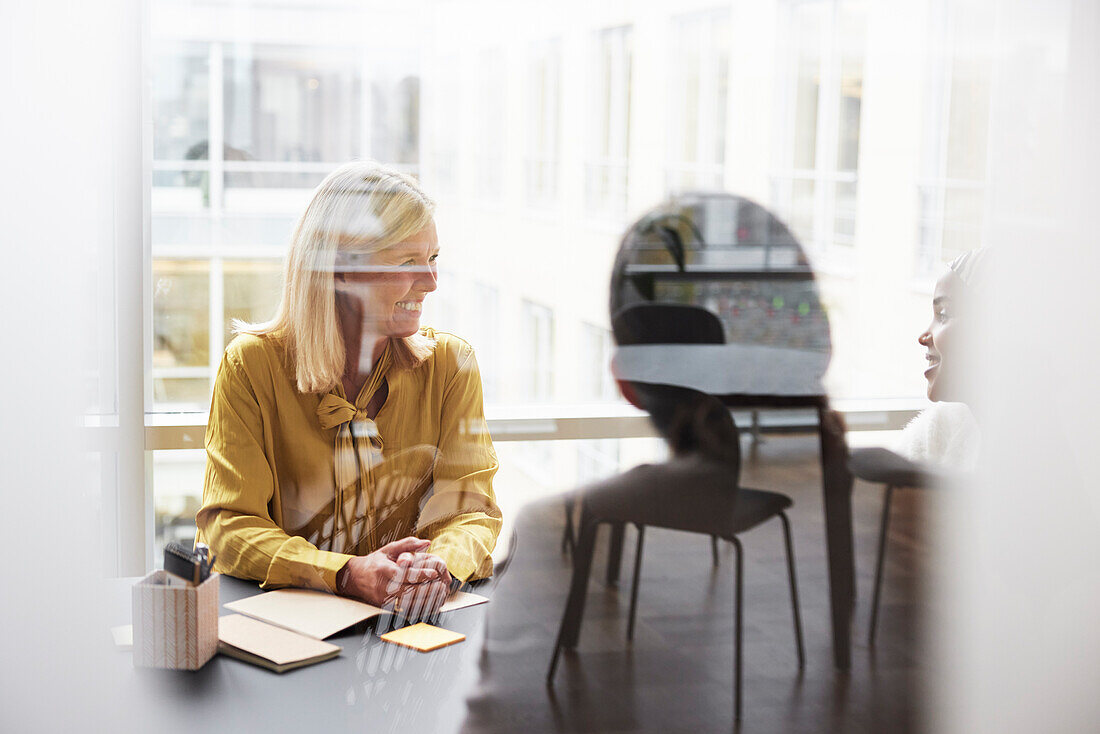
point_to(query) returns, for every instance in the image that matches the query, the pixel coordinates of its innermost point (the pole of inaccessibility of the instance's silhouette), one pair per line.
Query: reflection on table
(372, 686)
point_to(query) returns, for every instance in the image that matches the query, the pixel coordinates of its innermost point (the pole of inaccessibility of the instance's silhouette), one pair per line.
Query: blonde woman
(346, 447)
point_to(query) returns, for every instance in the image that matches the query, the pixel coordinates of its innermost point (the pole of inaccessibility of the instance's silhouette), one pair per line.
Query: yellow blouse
(278, 464)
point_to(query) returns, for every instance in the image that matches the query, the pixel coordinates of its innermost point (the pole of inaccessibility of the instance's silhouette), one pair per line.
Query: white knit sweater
(945, 435)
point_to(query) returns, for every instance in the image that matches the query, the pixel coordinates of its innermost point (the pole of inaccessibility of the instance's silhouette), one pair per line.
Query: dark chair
(883, 466)
(696, 491)
(726, 254)
(666, 323)
(503, 553)
(652, 323)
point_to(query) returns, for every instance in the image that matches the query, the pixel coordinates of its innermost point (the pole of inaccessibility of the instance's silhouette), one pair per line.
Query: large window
(698, 93)
(543, 124)
(951, 190)
(815, 185)
(608, 145)
(284, 103)
(538, 352)
(594, 369)
(243, 130)
(444, 104)
(529, 140)
(181, 332)
(180, 99)
(242, 133)
(492, 131)
(481, 328)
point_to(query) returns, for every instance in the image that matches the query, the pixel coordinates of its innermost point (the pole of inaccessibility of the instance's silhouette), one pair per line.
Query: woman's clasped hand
(400, 575)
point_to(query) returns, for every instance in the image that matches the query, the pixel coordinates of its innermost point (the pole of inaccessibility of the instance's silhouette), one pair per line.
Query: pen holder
(175, 623)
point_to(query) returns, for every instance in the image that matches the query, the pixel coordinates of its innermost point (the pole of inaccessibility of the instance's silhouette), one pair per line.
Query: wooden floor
(677, 676)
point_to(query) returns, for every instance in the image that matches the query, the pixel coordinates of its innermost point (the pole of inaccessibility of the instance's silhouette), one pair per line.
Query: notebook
(269, 646)
(319, 615)
(311, 613)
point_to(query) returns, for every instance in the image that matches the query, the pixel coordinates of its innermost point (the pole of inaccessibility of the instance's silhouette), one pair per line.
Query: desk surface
(372, 686)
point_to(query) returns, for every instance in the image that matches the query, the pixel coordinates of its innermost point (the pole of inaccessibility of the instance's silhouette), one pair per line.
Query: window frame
(609, 200)
(706, 171)
(542, 161)
(539, 357)
(934, 185)
(512, 422)
(829, 251)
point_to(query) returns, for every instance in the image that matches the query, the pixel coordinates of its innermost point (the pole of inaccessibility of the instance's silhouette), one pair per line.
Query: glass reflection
(737, 261)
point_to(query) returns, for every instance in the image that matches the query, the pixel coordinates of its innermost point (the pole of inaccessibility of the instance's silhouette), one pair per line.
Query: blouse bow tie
(335, 410)
(357, 450)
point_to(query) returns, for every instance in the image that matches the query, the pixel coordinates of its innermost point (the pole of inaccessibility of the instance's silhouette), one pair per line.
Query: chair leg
(485, 633)
(615, 552)
(568, 535)
(634, 585)
(578, 589)
(880, 563)
(738, 597)
(714, 549)
(794, 591)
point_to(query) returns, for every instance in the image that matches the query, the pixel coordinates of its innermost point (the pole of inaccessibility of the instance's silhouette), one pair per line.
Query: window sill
(558, 422)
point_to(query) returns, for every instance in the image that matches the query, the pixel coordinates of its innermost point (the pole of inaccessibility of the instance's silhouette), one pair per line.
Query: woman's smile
(933, 363)
(408, 312)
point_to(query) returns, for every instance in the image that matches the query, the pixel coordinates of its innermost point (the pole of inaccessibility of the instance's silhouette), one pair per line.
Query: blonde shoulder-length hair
(360, 208)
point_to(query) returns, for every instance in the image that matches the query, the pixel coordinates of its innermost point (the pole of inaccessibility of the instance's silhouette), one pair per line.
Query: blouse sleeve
(462, 518)
(235, 518)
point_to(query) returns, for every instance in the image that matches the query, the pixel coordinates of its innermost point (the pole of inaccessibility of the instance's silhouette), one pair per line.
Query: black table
(760, 378)
(373, 686)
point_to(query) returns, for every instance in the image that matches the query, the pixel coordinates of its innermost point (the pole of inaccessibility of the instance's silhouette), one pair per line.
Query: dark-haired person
(946, 434)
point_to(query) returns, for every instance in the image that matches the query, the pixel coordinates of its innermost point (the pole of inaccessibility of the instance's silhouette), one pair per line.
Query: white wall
(1018, 643)
(70, 200)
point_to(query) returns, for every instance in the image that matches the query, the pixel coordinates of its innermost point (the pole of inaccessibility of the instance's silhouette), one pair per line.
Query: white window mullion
(216, 338)
(932, 190)
(216, 147)
(366, 101)
(126, 488)
(216, 155)
(555, 118)
(942, 134)
(617, 110)
(676, 93)
(825, 145)
(704, 136)
(618, 122)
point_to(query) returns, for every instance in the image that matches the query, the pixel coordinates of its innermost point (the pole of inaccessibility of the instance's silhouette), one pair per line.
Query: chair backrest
(666, 323)
(693, 422)
(689, 420)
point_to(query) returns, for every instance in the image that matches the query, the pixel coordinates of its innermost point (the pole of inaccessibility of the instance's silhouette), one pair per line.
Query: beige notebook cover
(312, 613)
(268, 646)
(320, 615)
